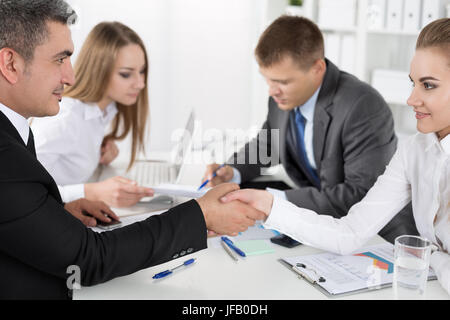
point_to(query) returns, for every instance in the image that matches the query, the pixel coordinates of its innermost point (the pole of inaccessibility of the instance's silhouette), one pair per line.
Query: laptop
(150, 173)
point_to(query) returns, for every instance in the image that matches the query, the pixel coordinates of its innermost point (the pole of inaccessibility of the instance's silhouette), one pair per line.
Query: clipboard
(324, 291)
(370, 268)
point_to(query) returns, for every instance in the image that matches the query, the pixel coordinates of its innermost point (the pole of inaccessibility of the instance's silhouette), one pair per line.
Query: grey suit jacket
(353, 141)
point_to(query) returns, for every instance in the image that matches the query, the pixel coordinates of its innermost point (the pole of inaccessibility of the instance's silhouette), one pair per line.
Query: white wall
(201, 56)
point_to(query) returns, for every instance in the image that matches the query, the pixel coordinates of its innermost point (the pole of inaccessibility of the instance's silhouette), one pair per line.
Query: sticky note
(254, 247)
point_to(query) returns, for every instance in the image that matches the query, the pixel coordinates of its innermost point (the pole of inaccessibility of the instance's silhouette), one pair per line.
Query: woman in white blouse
(111, 75)
(419, 171)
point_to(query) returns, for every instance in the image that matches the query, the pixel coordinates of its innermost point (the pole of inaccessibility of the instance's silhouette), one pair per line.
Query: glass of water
(411, 266)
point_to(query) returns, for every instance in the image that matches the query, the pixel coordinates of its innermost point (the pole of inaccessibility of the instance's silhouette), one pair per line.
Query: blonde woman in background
(419, 171)
(109, 92)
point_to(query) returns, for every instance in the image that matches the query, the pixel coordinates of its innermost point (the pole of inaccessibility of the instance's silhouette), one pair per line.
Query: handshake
(227, 210)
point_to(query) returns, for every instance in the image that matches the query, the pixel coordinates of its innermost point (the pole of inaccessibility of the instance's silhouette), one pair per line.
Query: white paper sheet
(180, 190)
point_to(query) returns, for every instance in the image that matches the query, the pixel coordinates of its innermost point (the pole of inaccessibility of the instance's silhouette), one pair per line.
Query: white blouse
(69, 144)
(419, 170)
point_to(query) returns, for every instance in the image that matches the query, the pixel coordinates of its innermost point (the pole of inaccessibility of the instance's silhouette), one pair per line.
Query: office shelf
(370, 49)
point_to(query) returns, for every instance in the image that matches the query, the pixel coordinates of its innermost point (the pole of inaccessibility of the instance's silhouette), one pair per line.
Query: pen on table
(208, 180)
(232, 246)
(170, 271)
(229, 251)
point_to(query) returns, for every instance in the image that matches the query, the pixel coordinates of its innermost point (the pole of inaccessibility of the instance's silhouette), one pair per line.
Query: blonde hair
(436, 35)
(93, 71)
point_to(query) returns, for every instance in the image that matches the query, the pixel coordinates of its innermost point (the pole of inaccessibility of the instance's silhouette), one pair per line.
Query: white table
(215, 276)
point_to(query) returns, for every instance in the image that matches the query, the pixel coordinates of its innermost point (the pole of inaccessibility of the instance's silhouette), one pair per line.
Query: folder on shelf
(376, 14)
(394, 15)
(411, 21)
(432, 10)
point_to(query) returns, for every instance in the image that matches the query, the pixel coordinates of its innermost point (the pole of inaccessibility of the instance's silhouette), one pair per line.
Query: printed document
(369, 268)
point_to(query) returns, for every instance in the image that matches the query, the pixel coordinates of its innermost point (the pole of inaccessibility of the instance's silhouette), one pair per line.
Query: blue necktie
(300, 122)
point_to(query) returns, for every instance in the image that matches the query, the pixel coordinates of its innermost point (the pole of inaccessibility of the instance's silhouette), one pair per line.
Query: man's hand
(259, 199)
(109, 152)
(117, 192)
(227, 218)
(88, 211)
(224, 174)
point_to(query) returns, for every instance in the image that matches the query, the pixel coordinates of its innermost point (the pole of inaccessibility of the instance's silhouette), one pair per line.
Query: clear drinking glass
(411, 266)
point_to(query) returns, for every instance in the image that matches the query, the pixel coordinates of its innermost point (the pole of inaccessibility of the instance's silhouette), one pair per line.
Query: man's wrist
(202, 205)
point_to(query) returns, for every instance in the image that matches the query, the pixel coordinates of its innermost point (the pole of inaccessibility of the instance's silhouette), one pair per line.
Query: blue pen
(232, 246)
(167, 272)
(214, 175)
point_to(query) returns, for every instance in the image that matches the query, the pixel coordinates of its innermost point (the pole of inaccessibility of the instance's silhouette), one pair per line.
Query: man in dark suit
(333, 134)
(40, 242)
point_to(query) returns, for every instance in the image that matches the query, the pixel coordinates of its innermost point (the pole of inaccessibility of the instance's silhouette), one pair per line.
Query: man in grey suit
(336, 133)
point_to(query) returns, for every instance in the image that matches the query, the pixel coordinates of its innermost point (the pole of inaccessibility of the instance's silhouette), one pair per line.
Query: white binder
(432, 10)
(411, 21)
(394, 15)
(376, 14)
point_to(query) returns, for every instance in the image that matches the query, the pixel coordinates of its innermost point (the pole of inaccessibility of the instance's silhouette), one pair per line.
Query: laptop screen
(184, 142)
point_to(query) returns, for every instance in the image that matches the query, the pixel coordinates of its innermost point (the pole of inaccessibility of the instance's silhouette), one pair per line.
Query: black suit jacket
(353, 141)
(39, 240)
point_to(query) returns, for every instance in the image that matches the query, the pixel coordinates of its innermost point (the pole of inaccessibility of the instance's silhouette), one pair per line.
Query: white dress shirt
(18, 121)
(307, 110)
(69, 144)
(419, 170)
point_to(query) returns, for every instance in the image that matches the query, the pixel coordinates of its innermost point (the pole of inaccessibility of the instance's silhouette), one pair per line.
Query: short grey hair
(23, 23)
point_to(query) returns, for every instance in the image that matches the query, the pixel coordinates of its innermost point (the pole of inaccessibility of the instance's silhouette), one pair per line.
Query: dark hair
(23, 23)
(436, 34)
(292, 36)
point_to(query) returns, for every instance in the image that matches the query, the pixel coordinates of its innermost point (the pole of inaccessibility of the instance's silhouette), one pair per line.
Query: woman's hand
(109, 152)
(259, 199)
(117, 192)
